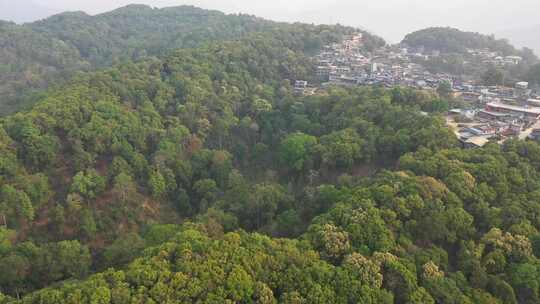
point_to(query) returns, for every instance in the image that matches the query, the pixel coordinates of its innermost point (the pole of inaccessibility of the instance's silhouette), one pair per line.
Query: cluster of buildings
(345, 64)
(496, 114)
(489, 57)
(301, 87)
(492, 113)
(474, 93)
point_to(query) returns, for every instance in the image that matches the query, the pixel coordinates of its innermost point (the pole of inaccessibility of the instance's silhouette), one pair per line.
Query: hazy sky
(388, 18)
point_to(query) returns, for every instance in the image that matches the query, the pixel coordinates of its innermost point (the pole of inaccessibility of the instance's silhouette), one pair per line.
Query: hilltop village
(489, 113)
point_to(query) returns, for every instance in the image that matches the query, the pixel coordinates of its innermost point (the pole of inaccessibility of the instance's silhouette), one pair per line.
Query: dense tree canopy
(451, 40)
(36, 55)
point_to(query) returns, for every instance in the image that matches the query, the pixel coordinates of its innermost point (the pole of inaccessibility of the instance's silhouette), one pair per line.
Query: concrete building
(474, 142)
(300, 86)
(522, 85)
(526, 112)
(485, 114)
(515, 60)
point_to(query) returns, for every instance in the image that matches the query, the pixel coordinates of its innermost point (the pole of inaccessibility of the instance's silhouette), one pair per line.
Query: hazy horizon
(391, 19)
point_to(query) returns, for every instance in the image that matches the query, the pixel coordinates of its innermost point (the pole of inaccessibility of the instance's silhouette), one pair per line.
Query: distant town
(491, 114)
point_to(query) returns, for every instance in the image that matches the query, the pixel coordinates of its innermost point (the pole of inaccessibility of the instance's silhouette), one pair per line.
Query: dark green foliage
(297, 151)
(455, 59)
(41, 54)
(533, 75)
(450, 40)
(28, 266)
(493, 76)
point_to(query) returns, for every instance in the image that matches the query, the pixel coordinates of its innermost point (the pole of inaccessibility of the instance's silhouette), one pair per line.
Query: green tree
(157, 184)
(15, 205)
(493, 76)
(444, 89)
(342, 148)
(124, 188)
(88, 184)
(296, 151)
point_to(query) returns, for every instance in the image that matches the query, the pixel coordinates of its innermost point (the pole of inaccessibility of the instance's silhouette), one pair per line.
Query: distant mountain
(524, 37)
(455, 58)
(136, 30)
(34, 55)
(451, 40)
(24, 11)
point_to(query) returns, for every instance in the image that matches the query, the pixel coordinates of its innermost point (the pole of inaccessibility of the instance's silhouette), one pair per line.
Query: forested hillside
(455, 58)
(137, 31)
(33, 54)
(201, 178)
(37, 55)
(451, 40)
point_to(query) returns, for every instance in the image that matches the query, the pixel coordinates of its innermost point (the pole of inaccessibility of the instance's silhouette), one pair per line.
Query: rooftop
(498, 114)
(514, 108)
(478, 141)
